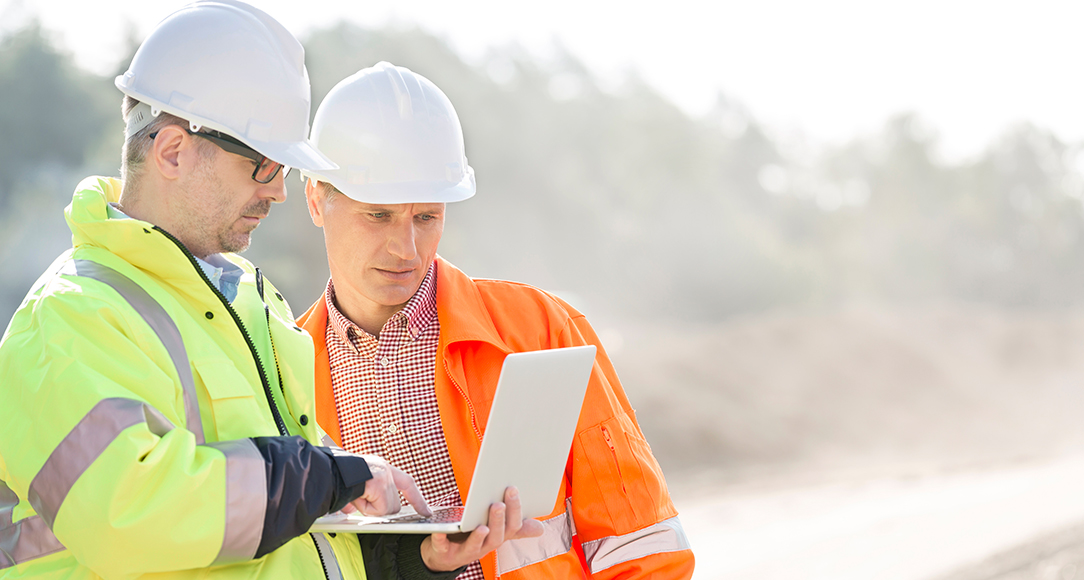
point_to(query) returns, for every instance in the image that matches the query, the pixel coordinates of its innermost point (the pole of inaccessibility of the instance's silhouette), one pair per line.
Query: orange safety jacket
(613, 517)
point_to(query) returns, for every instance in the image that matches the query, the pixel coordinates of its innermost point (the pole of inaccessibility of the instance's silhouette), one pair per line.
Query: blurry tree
(638, 212)
(616, 197)
(50, 112)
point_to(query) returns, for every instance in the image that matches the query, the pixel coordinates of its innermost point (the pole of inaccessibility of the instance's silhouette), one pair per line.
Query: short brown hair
(135, 149)
(329, 190)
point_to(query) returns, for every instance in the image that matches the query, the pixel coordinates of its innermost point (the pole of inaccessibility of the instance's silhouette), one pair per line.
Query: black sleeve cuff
(351, 474)
(304, 482)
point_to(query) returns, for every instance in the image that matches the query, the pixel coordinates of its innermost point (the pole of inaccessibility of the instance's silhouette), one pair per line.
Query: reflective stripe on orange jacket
(623, 523)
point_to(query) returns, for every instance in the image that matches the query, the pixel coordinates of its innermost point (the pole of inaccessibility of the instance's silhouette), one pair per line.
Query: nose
(275, 190)
(401, 240)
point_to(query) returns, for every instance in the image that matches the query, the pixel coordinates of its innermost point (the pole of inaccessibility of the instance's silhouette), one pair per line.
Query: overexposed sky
(828, 69)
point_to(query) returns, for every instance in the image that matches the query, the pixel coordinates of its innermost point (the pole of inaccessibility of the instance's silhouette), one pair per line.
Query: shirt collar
(223, 274)
(418, 313)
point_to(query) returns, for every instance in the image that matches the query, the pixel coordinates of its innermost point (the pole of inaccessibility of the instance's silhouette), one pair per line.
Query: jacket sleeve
(626, 524)
(88, 441)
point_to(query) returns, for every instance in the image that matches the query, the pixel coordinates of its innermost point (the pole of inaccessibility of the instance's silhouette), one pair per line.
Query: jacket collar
(462, 312)
(134, 240)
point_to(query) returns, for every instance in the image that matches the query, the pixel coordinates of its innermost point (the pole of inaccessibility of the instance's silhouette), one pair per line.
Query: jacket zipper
(255, 355)
(470, 406)
(278, 370)
(319, 552)
(274, 353)
(613, 451)
(240, 326)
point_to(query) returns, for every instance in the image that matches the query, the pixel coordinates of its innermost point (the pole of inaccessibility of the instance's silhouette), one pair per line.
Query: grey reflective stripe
(26, 539)
(8, 501)
(327, 556)
(327, 441)
(246, 500)
(156, 421)
(82, 445)
(665, 536)
(160, 322)
(554, 541)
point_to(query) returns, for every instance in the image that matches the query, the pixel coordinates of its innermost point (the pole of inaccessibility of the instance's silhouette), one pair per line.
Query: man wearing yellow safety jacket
(157, 414)
(402, 335)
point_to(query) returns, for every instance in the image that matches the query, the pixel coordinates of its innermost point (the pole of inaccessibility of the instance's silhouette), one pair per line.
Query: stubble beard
(214, 228)
(234, 241)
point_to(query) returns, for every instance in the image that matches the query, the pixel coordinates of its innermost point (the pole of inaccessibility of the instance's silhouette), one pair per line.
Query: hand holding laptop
(442, 552)
(529, 432)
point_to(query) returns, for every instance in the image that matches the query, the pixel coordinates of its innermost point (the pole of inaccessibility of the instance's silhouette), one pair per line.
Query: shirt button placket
(390, 410)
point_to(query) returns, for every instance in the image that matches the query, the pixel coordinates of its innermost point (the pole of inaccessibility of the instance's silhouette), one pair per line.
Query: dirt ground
(866, 388)
(788, 400)
(1055, 556)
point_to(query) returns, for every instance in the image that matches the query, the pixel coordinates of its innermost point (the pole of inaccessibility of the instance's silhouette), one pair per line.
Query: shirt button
(385, 361)
(393, 428)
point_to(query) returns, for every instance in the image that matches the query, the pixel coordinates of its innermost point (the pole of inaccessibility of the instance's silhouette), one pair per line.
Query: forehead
(399, 208)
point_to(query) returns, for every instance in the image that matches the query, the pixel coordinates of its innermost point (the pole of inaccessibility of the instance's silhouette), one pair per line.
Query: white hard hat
(228, 66)
(395, 137)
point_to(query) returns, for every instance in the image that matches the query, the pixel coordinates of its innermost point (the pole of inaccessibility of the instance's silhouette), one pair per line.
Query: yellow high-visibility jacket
(113, 462)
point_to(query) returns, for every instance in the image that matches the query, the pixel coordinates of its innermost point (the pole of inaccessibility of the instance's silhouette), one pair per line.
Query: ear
(315, 200)
(173, 151)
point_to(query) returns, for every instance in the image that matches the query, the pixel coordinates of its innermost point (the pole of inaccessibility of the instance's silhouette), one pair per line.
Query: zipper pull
(613, 451)
(259, 284)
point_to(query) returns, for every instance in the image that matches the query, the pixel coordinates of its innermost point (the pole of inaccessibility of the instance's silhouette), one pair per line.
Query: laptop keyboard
(442, 515)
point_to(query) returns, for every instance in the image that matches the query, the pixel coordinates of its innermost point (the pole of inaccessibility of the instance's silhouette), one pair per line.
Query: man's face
(378, 254)
(223, 204)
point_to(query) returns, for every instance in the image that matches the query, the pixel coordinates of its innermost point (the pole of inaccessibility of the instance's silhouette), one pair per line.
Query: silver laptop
(528, 437)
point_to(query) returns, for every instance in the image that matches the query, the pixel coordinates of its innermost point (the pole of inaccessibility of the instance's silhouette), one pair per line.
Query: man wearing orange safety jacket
(399, 145)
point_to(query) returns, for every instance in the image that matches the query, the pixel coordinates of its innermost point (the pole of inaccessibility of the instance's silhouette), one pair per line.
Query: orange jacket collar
(463, 318)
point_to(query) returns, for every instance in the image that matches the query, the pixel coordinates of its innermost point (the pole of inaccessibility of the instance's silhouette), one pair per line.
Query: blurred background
(835, 251)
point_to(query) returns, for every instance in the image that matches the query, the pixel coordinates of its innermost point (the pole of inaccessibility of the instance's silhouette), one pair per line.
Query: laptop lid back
(530, 430)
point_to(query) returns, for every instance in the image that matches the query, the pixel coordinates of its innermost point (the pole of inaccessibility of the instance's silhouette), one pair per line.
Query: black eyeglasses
(266, 169)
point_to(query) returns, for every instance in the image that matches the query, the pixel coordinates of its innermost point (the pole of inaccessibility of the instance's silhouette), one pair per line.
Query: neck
(369, 316)
(151, 205)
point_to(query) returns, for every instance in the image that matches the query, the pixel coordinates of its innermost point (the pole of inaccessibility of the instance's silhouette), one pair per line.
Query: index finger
(405, 484)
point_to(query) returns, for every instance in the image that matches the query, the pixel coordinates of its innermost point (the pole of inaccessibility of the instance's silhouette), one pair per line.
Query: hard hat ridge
(396, 138)
(230, 67)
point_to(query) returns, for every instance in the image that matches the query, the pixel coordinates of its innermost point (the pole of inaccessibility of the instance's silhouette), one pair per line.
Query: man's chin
(397, 295)
(237, 243)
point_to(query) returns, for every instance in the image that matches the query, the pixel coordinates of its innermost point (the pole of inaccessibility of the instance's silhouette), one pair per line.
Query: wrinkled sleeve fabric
(626, 524)
(88, 439)
(144, 497)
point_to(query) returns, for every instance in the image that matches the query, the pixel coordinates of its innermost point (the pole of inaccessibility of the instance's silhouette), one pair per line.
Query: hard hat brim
(300, 154)
(395, 193)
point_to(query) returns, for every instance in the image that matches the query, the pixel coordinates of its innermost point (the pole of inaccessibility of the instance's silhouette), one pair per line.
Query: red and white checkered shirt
(385, 397)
